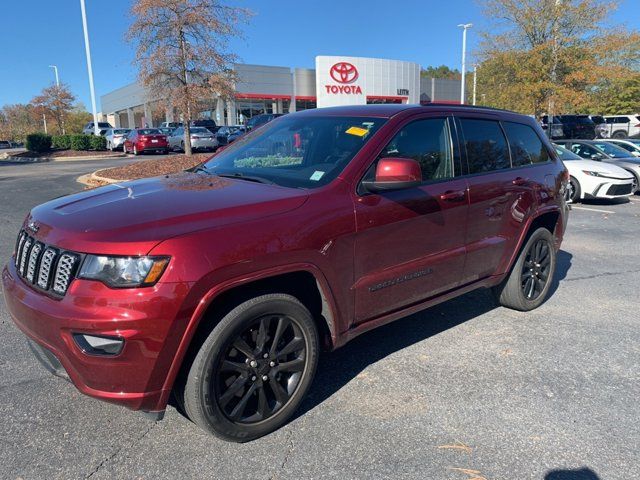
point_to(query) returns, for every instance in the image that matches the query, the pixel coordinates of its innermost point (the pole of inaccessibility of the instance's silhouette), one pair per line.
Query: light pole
(89, 68)
(475, 74)
(464, 26)
(55, 69)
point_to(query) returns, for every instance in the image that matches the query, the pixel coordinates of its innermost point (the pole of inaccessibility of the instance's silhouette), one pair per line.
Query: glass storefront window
(305, 104)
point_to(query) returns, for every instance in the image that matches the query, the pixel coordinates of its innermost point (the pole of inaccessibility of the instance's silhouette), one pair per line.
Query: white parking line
(573, 207)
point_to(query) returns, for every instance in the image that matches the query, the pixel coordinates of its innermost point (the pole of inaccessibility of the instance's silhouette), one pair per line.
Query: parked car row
(600, 168)
(589, 127)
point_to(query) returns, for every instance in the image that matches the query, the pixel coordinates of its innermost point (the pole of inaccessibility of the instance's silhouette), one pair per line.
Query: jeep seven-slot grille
(44, 266)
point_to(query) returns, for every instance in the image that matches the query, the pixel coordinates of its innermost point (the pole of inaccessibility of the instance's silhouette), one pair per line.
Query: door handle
(453, 196)
(519, 181)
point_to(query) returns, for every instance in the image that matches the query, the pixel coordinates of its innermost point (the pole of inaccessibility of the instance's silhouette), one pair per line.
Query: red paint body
(142, 143)
(375, 257)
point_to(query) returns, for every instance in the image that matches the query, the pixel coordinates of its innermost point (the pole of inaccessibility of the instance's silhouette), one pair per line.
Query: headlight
(123, 271)
(593, 174)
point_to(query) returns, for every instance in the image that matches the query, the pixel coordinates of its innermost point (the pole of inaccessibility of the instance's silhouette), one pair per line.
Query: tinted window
(526, 147)
(485, 144)
(149, 131)
(612, 150)
(429, 143)
(585, 151)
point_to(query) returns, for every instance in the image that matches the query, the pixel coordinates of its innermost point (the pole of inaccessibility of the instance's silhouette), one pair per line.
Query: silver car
(201, 139)
(116, 137)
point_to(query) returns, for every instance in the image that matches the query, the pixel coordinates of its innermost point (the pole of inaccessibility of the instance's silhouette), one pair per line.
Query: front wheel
(528, 284)
(253, 370)
(573, 190)
(135, 149)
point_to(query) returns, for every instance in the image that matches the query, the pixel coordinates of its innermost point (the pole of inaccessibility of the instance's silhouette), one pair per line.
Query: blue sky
(38, 33)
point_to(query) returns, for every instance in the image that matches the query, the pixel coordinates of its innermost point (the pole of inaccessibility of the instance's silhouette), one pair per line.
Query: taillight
(144, 138)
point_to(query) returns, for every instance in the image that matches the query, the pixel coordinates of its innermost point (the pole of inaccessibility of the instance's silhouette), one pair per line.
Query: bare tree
(55, 101)
(182, 51)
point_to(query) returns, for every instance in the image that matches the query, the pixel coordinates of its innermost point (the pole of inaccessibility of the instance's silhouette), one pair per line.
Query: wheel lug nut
(265, 378)
(253, 363)
(272, 364)
(265, 355)
(253, 379)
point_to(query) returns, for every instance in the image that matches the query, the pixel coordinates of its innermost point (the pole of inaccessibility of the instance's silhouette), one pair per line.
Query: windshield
(300, 152)
(565, 154)
(612, 150)
(199, 130)
(120, 131)
(149, 131)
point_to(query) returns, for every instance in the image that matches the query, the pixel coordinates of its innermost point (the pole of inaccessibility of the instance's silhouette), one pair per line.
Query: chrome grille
(48, 257)
(34, 256)
(44, 266)
(63, 273)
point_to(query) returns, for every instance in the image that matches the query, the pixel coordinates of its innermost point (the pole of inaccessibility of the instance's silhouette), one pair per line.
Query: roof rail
(480, 107)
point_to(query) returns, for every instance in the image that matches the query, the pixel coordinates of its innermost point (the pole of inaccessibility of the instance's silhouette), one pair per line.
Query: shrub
(38, 142)
(98, 142)
(80, 142)
(61, 142)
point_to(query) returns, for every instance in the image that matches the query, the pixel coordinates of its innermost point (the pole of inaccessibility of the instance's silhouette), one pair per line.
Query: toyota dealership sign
(354, 81)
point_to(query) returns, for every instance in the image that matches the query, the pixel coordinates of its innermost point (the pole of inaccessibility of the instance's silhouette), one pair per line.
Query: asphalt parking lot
(464, 390)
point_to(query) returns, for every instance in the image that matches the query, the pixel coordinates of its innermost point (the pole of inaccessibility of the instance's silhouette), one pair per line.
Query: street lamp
(87, 49)
(55, 69)
(464, 26)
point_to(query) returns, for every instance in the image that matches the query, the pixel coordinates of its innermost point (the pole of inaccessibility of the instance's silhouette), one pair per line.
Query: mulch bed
(154, 167)
(64, 153)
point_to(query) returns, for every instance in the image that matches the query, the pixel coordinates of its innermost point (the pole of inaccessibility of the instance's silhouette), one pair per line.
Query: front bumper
(150, 320)
(609, 188)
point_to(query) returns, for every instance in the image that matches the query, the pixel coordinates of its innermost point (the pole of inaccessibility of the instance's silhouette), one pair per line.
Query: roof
(391, 109)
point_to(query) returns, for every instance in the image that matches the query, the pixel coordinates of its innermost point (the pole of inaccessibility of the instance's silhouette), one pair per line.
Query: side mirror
(395, 174)
(596, 156)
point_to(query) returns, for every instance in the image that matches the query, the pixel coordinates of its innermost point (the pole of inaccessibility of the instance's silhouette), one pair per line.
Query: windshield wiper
(248, 178)
(199, 168)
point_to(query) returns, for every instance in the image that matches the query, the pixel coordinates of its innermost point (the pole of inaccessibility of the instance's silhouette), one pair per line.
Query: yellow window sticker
(357, 131)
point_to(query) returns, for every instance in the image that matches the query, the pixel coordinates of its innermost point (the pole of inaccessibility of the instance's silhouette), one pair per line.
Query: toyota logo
(344, 72)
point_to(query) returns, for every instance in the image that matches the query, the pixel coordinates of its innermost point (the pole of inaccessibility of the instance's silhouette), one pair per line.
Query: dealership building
(336, 80)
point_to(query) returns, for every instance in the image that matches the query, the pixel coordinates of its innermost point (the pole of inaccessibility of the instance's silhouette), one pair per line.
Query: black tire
(635, 187)
(575, 192)
(231, 394)
(532, 272)
(619, 134)
(182, 146)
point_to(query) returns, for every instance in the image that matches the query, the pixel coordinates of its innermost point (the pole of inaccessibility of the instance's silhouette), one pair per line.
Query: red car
(220, 285)
(143, 140)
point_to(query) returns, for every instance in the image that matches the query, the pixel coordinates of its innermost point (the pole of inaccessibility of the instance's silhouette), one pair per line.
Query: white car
(623, 126)
(592, 179)
(115, 137)
(631, 145)
(201, 139)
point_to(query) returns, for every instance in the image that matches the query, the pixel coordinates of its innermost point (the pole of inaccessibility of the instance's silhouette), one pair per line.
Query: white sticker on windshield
(317, 175)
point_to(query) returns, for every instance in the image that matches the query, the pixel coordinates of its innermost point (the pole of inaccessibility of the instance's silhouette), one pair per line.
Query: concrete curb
(60, 159)
(92, 177)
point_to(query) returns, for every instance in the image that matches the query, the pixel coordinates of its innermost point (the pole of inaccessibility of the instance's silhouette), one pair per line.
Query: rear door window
(525, 145)
(485, 145)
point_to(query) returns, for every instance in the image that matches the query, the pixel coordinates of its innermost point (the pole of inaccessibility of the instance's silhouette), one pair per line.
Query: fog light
(95, 345)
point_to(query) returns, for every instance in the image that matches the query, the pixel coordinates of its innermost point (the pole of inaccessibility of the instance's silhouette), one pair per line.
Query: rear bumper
(204, 143)
(147, 319)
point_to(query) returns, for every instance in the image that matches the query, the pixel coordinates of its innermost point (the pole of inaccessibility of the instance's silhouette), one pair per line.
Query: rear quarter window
(525, 145)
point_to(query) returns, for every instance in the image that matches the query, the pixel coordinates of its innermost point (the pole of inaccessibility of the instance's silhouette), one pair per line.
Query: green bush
(80, 142)
(61, 142)
(98, 142)
(38, 142)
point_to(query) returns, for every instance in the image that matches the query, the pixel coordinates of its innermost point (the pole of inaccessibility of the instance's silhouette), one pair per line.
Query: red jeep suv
(220, 285)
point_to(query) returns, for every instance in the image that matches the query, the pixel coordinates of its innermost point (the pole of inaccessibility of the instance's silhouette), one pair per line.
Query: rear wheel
(253, 370)
(135, 149)
(528, 284)
(619, 134)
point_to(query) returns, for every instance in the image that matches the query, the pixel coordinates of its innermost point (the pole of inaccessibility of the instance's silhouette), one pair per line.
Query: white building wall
(375, 78)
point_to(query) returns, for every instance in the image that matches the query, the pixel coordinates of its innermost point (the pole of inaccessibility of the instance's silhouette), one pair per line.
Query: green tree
(553, 56)
(182, 52)
(19, 120)
(442, 71)
(77, 118)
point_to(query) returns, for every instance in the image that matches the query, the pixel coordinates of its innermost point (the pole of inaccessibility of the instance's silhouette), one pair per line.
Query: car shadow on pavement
(580, 474)
(339, 367)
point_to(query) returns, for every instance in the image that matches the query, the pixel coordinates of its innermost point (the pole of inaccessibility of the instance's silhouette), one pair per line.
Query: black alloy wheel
(260, 370)
(253, 369)
(536, 268)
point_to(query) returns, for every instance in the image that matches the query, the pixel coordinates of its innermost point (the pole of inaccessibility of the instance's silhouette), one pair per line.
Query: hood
(132, 217)
(577, 166)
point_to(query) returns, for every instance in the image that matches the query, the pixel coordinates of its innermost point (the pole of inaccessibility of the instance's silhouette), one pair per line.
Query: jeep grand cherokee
(221, 284)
